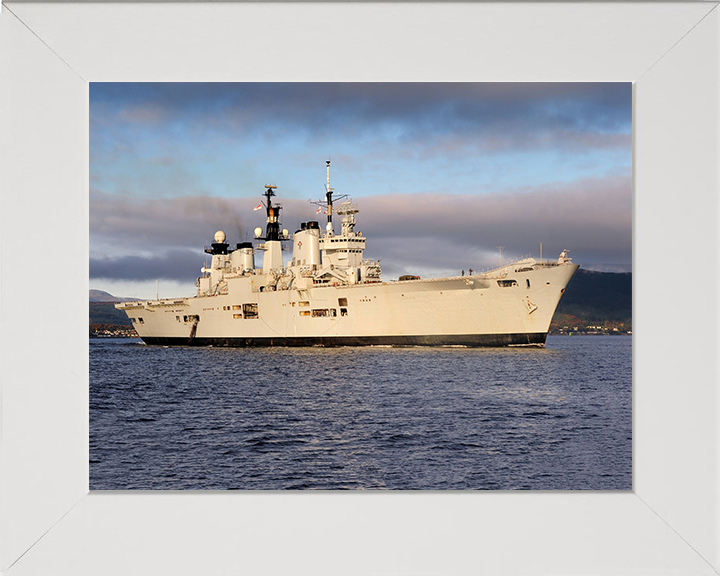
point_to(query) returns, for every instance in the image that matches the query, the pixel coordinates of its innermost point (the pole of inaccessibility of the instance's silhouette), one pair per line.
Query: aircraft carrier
(328, 294)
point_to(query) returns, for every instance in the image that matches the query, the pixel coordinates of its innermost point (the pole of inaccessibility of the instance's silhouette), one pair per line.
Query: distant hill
(106, 313)
(100, 296)
(598, 297)
(595, 303)
(103, 311)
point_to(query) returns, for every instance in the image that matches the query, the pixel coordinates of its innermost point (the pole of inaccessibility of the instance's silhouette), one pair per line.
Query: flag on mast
(258, 207)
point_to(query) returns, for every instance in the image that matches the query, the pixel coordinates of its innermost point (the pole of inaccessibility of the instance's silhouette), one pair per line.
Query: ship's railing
(548, 263)
(490, 271)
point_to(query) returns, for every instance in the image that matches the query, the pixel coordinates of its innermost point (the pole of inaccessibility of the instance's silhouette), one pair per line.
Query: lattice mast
(328, 202)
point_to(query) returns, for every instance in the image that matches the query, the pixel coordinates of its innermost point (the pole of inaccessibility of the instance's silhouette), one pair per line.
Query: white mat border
(62, 47)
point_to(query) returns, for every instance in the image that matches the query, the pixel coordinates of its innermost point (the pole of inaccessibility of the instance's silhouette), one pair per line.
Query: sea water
(553, 418)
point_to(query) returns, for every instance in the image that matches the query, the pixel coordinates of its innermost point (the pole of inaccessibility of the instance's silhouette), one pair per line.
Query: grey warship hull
(466, 340)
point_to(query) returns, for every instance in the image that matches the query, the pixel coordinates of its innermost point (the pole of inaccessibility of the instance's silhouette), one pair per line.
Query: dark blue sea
(553, 418)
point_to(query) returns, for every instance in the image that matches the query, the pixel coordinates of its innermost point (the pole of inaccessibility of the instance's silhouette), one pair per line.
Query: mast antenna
(328, 202)
(328, 196)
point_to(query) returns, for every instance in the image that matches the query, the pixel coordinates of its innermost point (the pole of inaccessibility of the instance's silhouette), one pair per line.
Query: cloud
(431, 232)
(145, 113)
(126, 225)
(180, 265)
(123, 224)
(195, 139)
(163, 156)
(592, 218)
(399, 112)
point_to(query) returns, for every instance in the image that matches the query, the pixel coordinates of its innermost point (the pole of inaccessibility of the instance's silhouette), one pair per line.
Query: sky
(444, 174)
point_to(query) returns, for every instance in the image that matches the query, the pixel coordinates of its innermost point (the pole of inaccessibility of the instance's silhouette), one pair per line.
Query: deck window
(507, 283)
(342, 302)
(304, 312)
(237, 316)
(320, 312)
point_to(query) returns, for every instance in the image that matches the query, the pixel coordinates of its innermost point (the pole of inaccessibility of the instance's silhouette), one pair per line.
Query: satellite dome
(219, 236)
(258, 232)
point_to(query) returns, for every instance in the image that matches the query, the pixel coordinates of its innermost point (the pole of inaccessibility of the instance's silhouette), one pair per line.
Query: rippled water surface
(548, 418)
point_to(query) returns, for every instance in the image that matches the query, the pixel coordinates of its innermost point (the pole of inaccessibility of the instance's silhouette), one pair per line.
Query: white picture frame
(49, 522)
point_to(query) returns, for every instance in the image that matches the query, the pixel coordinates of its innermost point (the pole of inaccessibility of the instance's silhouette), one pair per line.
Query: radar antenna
(272, 231)
(347, 210)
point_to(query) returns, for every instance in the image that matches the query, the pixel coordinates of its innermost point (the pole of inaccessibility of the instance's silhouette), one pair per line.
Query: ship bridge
(346, 249)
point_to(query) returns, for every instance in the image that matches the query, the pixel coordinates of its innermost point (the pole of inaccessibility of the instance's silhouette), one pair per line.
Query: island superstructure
(328, 294)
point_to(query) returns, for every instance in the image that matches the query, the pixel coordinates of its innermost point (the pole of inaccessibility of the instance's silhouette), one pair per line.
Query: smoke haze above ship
(443, 173)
